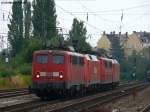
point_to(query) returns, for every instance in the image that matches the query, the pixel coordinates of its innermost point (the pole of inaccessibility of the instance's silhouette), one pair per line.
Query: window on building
(133, 46)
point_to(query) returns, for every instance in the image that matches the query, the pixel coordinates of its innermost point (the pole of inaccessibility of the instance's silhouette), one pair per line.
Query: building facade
(135, 42)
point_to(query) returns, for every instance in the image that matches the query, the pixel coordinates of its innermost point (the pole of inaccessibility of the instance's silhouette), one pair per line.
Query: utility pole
(4, 47)
(121, 21)
(1, 42)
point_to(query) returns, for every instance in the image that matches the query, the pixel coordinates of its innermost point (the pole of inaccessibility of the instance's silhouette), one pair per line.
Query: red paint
(91, 71)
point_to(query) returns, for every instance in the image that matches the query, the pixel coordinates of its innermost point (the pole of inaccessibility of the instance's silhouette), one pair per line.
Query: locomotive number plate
(42, 73)
(56, 74)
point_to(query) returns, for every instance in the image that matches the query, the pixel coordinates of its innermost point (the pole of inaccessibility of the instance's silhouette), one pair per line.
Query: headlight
(37, 76)
(61, 76)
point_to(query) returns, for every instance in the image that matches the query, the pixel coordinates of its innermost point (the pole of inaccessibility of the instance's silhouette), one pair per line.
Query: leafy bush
(16, 61)
(7, 73)
(33, 44)
(25, 69)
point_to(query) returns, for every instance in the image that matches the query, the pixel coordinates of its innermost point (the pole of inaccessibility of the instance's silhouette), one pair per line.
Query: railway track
(27, 106)
(24, 91)
(93, 101)
(74, 105)
(13, 92)
(146, 109)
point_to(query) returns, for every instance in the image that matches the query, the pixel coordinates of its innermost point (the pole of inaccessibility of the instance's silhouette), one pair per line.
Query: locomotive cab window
(81, 61)
(42, 58)
(74, 60)
(108, 64)
(58, 59)
(77, 60)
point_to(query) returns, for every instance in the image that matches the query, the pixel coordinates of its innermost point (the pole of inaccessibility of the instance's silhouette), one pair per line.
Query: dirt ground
(133, 103)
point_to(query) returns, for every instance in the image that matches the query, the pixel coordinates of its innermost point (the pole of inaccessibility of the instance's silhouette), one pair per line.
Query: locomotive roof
(88, 56)
(91, 57)
(112, 60)
(60, 51)
(74, 53)
(107, 59)
(115, 61)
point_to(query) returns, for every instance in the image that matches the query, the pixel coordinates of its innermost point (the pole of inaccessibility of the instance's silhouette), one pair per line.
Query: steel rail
(90, 102)
(13, 92)
(27, 106)
(146, 109)
(53, 106)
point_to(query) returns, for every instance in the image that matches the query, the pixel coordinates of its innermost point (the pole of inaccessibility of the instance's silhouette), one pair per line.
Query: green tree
(102, 52)
(78, 36)
(33, 45)
(139, 65)
(44, 20)
(116, 49)
(15, 33)
(27, 19)
(117, 52)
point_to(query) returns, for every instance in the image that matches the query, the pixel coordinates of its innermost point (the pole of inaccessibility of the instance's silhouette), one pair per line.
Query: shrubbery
(14, 68)
(20, 63)
(25, 69)
(7, 73)
(6, 70)
(134, 64)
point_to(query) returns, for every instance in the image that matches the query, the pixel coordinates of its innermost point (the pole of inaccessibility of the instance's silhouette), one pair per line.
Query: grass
(26, 79)
(18, 81)
(5, 83)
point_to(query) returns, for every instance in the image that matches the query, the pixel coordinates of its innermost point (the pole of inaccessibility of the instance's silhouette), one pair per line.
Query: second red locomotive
(57, 72)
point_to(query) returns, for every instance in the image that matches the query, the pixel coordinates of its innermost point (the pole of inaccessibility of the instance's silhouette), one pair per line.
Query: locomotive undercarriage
(52, 90)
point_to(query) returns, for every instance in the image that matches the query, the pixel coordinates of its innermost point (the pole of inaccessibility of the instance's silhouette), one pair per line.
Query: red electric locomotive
(92, 71)
(57, 72)
(109, 72)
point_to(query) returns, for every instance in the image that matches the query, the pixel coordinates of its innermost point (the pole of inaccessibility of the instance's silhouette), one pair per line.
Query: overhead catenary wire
(112, 11)
(115, 10)
(104, 11)
(98, 16)
(63, 10)
(68, 29)
(92, 26)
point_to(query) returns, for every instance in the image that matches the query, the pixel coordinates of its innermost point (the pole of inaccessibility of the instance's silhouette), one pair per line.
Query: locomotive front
(48, 72)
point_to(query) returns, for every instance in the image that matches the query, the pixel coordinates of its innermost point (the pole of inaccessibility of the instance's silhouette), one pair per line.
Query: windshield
(58, 59)
(42, 58)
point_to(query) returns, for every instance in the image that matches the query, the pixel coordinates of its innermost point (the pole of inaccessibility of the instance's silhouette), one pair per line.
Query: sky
(103, 15)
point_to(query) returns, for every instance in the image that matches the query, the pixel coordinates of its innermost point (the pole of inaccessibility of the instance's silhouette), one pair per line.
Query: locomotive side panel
(106, 71)
(86, 72)
(76, 71)
(94, 70)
